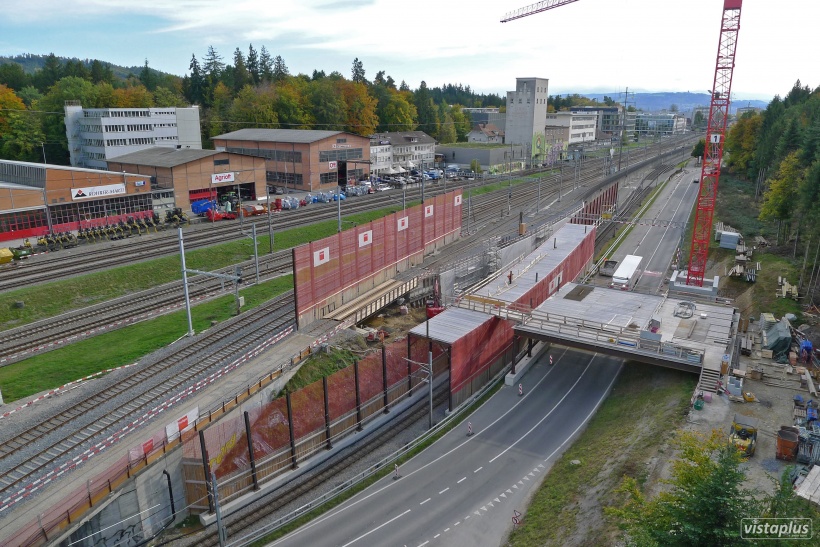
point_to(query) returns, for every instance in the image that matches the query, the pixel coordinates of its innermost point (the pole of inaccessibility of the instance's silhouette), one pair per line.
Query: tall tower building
(527, 114)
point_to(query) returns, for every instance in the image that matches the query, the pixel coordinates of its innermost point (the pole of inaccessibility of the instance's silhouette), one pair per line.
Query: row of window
(91, 128)
(95, 156)
(274, 155)
(327, 178)
(75, 212)
(344, 154)
(93, 142)
(22, 220)
(284, 178)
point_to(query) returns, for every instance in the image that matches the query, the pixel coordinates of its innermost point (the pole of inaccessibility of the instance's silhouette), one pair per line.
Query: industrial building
(302, 159)
(181, 176)
(36, 198)
(95, 135)
(526, 112)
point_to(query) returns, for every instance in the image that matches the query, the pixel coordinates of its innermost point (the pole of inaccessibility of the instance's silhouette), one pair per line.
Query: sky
(588, 46)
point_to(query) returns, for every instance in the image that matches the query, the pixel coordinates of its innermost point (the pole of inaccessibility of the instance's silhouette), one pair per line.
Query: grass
(51, 299)
(60, 366)
(646, 405)
(318, 366)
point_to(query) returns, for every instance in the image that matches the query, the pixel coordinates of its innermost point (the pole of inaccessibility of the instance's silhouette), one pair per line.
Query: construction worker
(509, 277)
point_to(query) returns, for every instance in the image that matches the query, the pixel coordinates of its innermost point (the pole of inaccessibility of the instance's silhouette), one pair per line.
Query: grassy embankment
(645, 407)
(737, 207)
(123, 346)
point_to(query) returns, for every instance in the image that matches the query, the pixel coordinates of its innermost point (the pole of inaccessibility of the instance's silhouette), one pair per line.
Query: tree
(253, 64)
(133, 97)
(9, 102)
(699, 120)
(196, 84)
(22, 138)
(318, 75)
(166, 97)
(212, 64)
(75, 67)
(397, 114)
(48, 75)
(29, 95)
(703, 504)
(699, 149)
(13, 76)
(241, 77)
(673, 107)
(290, 104)
(148, 78)
(253, 108)
(361, 108)
(427, 115)
(328, 108)
(280, 69)
(404, 86)
(101, 72)
(475, 166)
(779, 200)
(219, 111)
(357, 73)
(265, 65)
(741, 142)
(447, 128)
(462, 122)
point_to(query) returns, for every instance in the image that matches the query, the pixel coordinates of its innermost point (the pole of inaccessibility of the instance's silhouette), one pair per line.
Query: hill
(32, 63)
(685, 101)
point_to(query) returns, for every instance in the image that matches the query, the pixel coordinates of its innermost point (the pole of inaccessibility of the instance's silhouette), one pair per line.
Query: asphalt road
(462, 491)
(657, 242)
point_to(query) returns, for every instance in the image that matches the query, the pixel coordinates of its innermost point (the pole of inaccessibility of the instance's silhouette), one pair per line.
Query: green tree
(253, 108)
(699, 120)
(148, 77)
(70, 88)
(48, 75)
(23, 137)
(779, 199)
(101, 72)
(699, 149)
(253, 65)
(291, 106)
(75, 67)
(428, 120)
(447, 129)
(29, 95)
(212, 64)
(196, 84)
(241, 76)
(703, 504)
(475, 166)
(166, 97)
(265, 65)
(357, 72)
(280, 69)
(13, 76)
(741, 142)
(463, 122)
(398, 114)
(328, 108)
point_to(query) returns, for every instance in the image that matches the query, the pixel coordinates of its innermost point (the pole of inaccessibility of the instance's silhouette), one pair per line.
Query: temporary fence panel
(472, 353)
(348, 271)
(308, 405)
(341, 386)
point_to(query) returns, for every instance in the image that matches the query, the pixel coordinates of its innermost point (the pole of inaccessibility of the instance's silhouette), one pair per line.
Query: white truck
(627, 273)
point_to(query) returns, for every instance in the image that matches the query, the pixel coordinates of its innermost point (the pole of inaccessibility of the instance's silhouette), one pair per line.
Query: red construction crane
(715, 137)
(715, 130)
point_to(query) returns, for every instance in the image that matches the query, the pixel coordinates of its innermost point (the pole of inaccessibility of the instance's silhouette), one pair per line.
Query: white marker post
(520, 390)
(469, 429)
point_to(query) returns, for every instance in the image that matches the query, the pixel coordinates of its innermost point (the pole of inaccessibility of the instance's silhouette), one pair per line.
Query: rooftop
(279, 135)
(163, 156)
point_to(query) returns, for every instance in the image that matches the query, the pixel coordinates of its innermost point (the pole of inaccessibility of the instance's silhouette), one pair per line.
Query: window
(222, 162)
(341, 141)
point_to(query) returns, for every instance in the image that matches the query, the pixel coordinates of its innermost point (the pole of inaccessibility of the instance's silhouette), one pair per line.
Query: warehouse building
(37, 198)
(181, 176)
(302, 159)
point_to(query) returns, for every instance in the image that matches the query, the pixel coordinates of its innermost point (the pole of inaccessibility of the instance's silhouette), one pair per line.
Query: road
(462, 491)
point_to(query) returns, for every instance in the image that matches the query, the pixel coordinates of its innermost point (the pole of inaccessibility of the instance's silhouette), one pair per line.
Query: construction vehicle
(743, 434)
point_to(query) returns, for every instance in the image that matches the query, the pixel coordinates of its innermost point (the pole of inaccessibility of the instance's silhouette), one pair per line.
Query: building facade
(96, 135)
(581, 125)
(487, 133)
(192, 175)
(613, 121)
(36, 198)
(408, 150)
(493, 158)
(487, 115)
(302, 159)
(527, 113)
(647, 124)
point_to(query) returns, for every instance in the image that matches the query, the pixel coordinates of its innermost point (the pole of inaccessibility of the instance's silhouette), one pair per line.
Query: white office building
(580, 126)
(96, 135)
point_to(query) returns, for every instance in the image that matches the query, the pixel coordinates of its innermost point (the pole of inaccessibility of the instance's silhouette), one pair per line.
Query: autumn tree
(779, 199)
(741, 142)
(361, 108)
(291, 105)
(702, 505)
(328, 108)
(133, 97)
(254, 108)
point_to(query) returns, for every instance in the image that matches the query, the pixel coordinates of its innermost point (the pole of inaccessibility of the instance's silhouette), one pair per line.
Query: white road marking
(443, 491)
(561, 400)
(446, 529)
(425, 543)
(456, 524)
(461, 480)
(436, 536)
(376, 528)
(425, 501)
(591, 412)
(479, 469)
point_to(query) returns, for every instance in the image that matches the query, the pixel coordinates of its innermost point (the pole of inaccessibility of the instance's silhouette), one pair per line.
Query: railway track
(60, 434)
(48, 334)
(280, 498)
(22, 342)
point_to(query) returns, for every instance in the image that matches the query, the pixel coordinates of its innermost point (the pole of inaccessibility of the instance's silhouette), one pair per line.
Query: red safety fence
(604, 202)
(325, 267)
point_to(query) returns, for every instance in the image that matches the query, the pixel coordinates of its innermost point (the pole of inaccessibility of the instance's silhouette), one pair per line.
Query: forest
(778, 150)
(251, 89)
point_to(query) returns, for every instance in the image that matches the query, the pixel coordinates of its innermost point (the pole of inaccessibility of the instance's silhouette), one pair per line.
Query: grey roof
(162, 156)
(451, 324)
(403, 137)
(278, 135)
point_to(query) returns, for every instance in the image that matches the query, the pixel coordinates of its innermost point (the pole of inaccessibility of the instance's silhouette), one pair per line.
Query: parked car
(383, 187)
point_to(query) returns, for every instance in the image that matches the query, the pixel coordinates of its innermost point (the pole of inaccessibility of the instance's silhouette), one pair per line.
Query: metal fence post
(358, 396)
(384, 378)
(206, 467)
(327, 413)
(290, 430)
(409, 371)
(250, 450)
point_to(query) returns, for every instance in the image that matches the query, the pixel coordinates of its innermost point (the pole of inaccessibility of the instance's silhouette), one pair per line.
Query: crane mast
(715, 137)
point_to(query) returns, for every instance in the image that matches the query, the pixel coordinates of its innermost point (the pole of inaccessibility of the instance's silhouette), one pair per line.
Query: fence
(268, 441)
